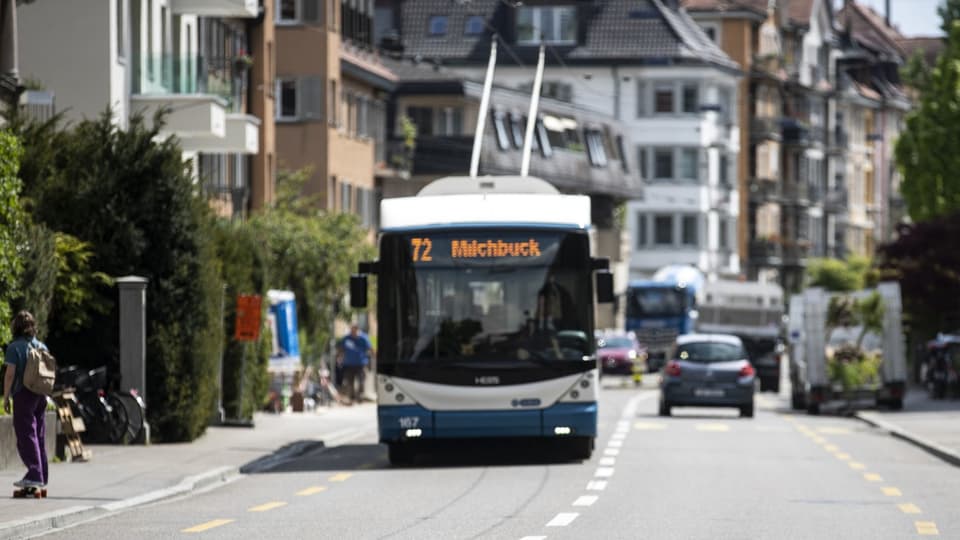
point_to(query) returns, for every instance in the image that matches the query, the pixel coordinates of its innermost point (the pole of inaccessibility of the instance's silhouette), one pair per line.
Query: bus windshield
(501, 297)
(655, 302)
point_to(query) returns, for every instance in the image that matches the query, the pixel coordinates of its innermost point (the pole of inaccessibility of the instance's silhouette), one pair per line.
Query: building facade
(332, 93)
(190, 59)
(646, 65)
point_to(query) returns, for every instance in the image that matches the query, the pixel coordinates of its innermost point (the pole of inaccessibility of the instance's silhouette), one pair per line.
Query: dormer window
(554, 24)
(474, 25)
(438, 25)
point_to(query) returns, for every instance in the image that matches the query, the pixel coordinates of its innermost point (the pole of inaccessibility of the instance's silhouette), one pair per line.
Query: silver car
(708, 370)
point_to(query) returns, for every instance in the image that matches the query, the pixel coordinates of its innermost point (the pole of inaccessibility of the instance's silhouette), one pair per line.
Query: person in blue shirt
(29, 409)
(353, 354)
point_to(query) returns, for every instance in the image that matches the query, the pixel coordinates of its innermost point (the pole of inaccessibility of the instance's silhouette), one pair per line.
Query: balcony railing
(838, 140)
(766, 252)
(762, 191)
(796, 132)
(796, 193)
(836, 199)
(765, 128)
(795, 254)
(226, 78)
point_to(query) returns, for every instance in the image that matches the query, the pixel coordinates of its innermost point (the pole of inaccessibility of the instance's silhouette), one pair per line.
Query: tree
(949, 12)
(11, 224)
(837, 275)
(928, 151)
(132, 200)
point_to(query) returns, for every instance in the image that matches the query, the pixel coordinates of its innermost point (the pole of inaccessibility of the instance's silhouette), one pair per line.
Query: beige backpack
(40, 372)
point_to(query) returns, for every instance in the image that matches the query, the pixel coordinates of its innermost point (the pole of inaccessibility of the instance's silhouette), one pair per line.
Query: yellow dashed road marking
(311, 491)
(267, 506)
(872, 477)
(857, 466)
(648, 426)
(841, 456)
(926, 528)
(834, 430)
(909, 508)
(818, 439)
(713, 427)
(340, 477)
(207, 526)
(831, 448)
(892, 492)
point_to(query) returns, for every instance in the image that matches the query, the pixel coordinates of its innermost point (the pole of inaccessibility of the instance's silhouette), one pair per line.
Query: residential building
(576, 149)
(332, 91)
(643, 63)
(191, 59)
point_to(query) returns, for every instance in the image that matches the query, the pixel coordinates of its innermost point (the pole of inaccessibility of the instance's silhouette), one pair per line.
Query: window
(622, 155)
(422, 117)
(450, 121)
(287, 11)
(691, 98)
(149, 36)
(121, 28)
(346, 197)
(516, 130)
(663, 163)
(543, 140)
(663, 98)
(689, 163)
(641, 230)
(595, 148)
(663, 230)
(642, 162)
(689, 231)
(164, 53)
(555, 24)
(438, 25)
(332, 117)
(287, 97)
(724, 234)
(711, 31)
(500, 127)
(474, 25)
(724, 170)
(725, 97)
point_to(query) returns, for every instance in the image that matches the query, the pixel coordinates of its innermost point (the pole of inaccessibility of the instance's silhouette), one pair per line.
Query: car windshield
(615, 343)
(706, 352)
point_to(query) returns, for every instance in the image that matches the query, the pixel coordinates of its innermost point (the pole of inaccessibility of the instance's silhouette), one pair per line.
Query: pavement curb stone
(74, 515)
(946, 454)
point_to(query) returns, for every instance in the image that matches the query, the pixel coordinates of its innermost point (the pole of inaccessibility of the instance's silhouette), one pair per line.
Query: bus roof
(506, 200)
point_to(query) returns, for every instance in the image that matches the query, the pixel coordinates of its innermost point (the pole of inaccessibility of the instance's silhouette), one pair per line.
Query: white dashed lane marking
(611, 451)
(585, 500)
(608, 461)
(596, 485)
(604, 472)
(563, 519)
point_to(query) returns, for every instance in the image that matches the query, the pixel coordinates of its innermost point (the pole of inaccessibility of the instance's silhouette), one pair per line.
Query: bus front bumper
(405, 422)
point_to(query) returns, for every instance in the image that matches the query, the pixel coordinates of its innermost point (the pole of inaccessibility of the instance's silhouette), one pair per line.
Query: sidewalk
(119, 477)
(933, 425)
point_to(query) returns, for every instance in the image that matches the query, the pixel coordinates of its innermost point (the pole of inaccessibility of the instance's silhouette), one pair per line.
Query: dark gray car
(708, 370)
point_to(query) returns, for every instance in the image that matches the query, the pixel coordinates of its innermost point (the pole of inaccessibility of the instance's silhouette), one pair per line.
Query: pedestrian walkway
(121, 476)
(931, 424)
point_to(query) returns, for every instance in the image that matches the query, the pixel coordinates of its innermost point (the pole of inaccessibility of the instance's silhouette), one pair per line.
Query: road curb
(946, 454)
(74, 515)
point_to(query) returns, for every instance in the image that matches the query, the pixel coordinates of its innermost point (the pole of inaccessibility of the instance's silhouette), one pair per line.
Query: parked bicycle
(109, 417)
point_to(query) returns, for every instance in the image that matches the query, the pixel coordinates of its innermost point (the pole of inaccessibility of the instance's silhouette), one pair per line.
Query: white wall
(68, 46)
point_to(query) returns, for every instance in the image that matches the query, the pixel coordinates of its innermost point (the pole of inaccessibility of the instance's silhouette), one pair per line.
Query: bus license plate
(708, 392)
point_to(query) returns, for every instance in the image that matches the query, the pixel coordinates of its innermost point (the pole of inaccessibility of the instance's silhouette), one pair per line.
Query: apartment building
(332, 91)
(193, 59)
(646, 65)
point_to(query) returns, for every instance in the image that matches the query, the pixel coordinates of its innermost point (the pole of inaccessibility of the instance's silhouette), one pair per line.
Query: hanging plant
(243, 61)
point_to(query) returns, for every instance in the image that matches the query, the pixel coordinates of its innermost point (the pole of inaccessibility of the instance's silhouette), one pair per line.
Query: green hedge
(11, 222)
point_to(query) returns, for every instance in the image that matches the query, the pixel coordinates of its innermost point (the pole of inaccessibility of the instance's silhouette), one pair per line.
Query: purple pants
(29, 423)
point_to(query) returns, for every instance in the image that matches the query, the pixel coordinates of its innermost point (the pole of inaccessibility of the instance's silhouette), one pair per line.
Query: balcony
(796, 133)
(37, 105)
(836, 200)
(246, 9)
(241, 136)
(765, 129)
(442, 155)
(188, 115)
(764, 191)
(796, 193)
(838, 141)
(765, 252)
(795, 254)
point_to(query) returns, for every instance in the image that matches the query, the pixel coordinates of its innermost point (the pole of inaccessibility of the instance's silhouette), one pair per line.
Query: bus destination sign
(426, 249)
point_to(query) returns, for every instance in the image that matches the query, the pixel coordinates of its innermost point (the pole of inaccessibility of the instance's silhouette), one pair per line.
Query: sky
(913, 17)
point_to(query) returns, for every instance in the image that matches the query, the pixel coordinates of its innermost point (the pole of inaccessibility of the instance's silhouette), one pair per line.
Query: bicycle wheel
(135, 414)
(117, 421)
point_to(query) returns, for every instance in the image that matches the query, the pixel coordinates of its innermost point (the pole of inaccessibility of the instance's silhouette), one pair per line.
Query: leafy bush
(132, 200)
(11, 222)
(244, 271)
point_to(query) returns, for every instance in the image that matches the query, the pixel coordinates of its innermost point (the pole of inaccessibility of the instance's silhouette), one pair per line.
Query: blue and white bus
(485, 314)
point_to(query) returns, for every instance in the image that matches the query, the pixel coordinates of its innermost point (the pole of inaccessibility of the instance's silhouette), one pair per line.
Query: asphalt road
(703, 473)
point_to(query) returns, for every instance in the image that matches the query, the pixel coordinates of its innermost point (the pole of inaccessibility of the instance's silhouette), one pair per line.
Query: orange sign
(248, 318)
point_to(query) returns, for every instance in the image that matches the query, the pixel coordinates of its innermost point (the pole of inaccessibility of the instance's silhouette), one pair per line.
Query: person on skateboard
(29, 409)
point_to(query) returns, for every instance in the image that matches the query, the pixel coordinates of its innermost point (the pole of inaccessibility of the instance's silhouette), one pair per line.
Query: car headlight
(632, 355)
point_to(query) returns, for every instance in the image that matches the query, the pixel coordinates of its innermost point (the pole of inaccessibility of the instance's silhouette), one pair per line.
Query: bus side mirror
(605, 287)
(358, 291)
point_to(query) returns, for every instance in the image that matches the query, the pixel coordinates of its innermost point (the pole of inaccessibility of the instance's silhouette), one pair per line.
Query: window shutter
(311, 10)
(311, 97)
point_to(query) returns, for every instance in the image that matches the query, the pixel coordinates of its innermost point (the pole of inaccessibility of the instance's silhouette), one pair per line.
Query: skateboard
(30, 492)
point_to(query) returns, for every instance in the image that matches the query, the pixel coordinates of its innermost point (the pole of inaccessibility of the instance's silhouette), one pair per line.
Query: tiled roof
(931, 47)
(757, 6)
(800, 11)
(870, 29)
(614, 30)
